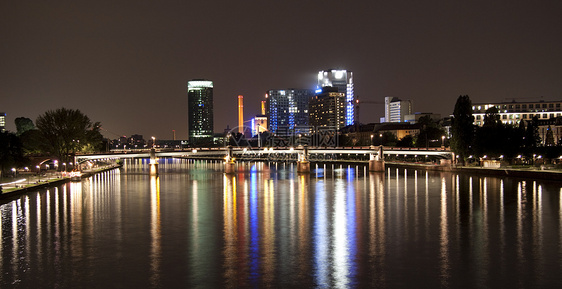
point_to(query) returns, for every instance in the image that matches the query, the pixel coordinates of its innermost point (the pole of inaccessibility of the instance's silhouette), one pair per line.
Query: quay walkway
(29, 182)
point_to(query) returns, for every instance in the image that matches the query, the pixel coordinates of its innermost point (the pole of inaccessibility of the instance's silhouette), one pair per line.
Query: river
(268, 227)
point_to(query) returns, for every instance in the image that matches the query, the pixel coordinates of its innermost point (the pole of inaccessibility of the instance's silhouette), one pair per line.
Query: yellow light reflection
(15, 243)
(444, 237)
(377, 226)
(269, 233)
(155, 231)
(520, 196)
(303, 222)
(341, 247)
(538, 235)
(230, 231)
(502, 217)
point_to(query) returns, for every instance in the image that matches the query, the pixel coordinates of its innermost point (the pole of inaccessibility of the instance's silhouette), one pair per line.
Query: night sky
(127, 63)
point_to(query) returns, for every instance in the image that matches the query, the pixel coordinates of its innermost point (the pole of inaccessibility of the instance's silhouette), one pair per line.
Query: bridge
(277, 151)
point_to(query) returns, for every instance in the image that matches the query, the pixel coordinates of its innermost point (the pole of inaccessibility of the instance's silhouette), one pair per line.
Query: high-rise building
(2, 121)
(396, 109)
(287, 110)
(328, 108)
(343, 80)
(200, 107)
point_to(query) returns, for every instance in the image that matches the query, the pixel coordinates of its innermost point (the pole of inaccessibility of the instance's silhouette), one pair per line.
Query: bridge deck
(264, 151)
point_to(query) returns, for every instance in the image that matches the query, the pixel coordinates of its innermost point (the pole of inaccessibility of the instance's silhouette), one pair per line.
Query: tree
(430, 132)
(406, 141)
(532, 137)
(33, 142)
(11, 154)
(490, 138)
(389, 139)
(549, 139)
(67, 131)
(23, 124)
(492, 117)
(462, 128)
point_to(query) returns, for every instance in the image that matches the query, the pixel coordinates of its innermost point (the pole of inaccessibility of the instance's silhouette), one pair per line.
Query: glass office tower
(200, 111)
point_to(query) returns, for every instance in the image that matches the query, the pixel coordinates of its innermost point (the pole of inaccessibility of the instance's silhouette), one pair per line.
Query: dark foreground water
(268, 227)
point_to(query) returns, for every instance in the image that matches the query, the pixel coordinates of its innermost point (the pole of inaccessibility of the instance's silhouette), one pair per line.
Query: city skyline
(126, 64)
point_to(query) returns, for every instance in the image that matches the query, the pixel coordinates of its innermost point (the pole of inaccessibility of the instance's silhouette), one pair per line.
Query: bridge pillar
(376, 161)
(303, 165)
(446, 165)
(153, 163)
(229, 162)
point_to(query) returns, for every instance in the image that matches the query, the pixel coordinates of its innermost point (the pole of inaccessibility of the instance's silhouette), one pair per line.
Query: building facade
(259, 124)
(342, 80)
(396, 109)
(548, 114)
(328, 109)
(287, 110)
(513, 112)
(200, 111)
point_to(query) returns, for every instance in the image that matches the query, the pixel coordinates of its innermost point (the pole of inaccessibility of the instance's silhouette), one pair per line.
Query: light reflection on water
(267, 226)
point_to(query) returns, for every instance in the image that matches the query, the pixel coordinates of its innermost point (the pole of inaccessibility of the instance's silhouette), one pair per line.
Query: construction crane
(357, 105)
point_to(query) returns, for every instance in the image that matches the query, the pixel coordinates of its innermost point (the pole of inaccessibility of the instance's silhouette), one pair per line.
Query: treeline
(59, 133)
(497, 140)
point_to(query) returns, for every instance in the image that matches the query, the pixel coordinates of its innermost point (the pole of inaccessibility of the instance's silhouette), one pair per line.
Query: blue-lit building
(287, 110)
(343, 80)
(200, 111)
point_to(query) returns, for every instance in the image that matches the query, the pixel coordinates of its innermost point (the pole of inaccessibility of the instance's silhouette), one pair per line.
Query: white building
(2, 121)
(396, 109)
(548, 113)
(514, 112)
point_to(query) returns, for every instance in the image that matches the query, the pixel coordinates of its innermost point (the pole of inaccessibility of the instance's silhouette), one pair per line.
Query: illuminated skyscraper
(200, 107)
(2, 121)
(327, 109)
(343, 80)
(287, 110)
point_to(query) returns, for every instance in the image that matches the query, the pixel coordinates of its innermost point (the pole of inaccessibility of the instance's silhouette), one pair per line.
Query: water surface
(269, 227)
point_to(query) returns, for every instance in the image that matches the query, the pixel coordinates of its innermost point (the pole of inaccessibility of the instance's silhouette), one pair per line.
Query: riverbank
(35, 182)
(515, 172)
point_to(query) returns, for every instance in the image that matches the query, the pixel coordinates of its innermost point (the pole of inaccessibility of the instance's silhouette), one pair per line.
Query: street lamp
(372, 139)
(153, 142)
(443, 142)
